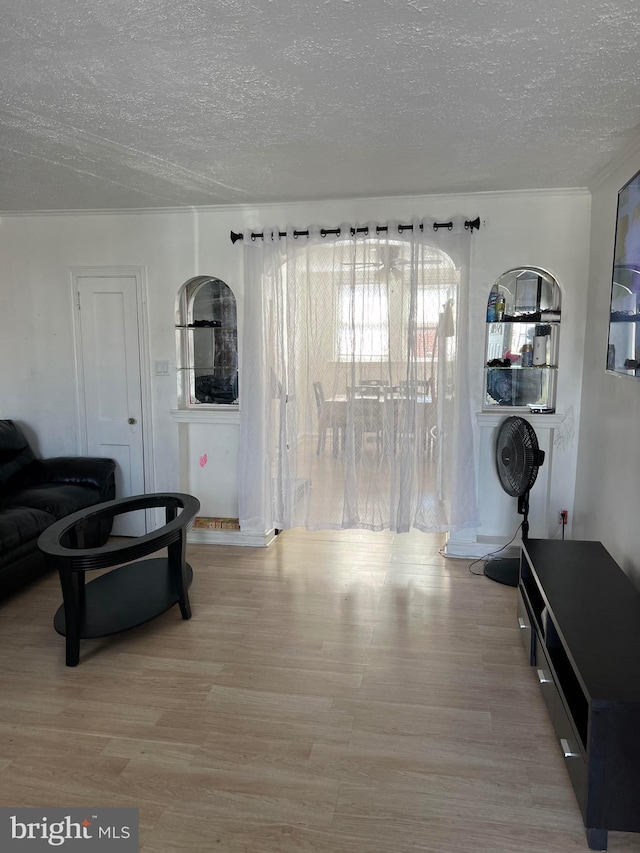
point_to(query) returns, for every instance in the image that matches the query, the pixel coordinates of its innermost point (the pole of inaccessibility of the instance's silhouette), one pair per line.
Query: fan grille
(518, 456)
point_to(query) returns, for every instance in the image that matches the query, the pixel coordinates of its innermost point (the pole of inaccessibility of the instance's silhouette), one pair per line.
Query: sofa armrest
(93, 471)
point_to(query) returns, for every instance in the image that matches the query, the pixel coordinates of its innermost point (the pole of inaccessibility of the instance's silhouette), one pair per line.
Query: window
(207, 343)
(363, 323)
(374, 305)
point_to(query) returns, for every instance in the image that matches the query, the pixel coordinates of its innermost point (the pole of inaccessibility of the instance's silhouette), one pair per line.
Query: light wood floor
(337, 692)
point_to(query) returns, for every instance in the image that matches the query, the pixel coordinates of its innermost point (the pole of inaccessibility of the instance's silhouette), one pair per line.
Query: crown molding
(251, 207)
(630, 149)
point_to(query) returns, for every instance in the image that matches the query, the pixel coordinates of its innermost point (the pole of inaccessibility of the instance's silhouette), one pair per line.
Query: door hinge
(78, 299)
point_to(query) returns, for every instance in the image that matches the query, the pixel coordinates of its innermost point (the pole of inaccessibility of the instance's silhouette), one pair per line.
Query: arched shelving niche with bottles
(522, 336)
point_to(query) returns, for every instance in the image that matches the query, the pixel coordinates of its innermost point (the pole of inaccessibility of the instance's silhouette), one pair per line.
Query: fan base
(503, 571)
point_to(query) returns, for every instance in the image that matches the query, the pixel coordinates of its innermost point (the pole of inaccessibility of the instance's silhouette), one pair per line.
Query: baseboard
(476, 550)
(213, 536)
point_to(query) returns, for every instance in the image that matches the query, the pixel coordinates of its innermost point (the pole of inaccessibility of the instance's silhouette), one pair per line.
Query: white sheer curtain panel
(355, 409)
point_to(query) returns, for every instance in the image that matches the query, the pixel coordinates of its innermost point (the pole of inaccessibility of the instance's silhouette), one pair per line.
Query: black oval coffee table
(131, 594)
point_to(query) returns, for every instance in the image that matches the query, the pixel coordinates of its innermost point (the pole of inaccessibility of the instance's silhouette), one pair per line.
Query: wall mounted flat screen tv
(623, 350)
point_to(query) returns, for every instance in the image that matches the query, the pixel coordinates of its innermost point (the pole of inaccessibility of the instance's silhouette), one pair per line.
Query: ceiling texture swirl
(128, 104)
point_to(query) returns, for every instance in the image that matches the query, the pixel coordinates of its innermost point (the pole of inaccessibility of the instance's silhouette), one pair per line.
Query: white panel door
(110, 381)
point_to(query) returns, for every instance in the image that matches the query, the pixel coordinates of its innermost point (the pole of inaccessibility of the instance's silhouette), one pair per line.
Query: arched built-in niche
(522, 335)
(207, 343)
(524, 304)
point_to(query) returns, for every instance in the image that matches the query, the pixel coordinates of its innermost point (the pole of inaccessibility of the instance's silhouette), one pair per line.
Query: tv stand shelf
(580, 620)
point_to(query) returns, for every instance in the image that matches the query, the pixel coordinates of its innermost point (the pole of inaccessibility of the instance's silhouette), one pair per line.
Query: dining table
(373, 409)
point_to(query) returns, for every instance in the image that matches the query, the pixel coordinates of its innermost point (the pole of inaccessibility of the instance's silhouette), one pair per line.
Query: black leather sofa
(36, 492)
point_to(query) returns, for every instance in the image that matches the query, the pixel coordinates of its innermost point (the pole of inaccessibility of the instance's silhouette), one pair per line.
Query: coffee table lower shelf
(125, 598)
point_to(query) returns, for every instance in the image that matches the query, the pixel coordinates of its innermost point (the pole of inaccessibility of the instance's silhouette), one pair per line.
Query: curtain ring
(323, 232)
(253, 237)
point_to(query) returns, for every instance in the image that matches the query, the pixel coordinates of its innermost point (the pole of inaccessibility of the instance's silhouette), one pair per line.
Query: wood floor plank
(337, 692)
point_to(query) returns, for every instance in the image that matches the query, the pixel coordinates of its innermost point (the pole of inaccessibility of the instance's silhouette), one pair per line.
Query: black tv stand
(579, 616)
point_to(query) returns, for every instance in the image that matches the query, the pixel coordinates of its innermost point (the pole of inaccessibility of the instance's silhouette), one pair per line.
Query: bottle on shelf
(491, 307)
(526, 355)
(500, 306)
(540, 345)
(539, 350)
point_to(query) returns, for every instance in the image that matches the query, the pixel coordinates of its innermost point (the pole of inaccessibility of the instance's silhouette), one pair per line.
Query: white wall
(608, 480)
(38, 389)
(545, 229)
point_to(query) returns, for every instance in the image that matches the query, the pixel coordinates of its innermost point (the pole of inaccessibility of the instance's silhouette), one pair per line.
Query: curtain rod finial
(235, 236)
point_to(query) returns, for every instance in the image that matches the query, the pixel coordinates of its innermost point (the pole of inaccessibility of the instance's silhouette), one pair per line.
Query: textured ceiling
(163, 103)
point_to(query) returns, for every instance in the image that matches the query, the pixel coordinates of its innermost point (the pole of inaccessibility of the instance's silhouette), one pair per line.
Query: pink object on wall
(203, 460)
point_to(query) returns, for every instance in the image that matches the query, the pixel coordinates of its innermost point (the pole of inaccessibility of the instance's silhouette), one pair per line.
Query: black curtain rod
(469, 224)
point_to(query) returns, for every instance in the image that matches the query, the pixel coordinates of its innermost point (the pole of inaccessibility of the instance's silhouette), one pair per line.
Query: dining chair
(367, 402)
(419, 387)
(331, 415)
(430, 421)
(422, 421)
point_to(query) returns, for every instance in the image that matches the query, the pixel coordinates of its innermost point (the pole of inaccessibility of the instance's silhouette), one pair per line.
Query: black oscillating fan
(518, 458)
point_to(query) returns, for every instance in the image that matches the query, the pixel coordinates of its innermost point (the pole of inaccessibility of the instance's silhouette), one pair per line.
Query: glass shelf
(522, 367)
(213, 327)
(542, 319)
